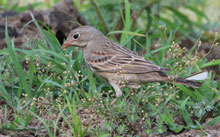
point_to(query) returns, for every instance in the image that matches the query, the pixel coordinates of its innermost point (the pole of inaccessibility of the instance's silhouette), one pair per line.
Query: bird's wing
(119, 59)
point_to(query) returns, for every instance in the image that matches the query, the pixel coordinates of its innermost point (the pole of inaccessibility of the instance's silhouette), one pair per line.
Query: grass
(56, 86)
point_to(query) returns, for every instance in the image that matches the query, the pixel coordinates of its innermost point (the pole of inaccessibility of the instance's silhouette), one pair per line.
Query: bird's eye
(76, 36)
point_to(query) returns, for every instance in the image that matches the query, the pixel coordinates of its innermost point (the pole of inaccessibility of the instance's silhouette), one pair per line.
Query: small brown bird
(119, 65)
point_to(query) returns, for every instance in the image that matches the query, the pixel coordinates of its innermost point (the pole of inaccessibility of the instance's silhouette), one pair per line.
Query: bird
(119, 65)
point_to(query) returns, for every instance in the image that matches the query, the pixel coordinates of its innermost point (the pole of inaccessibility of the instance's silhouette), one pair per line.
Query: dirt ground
(88, 118)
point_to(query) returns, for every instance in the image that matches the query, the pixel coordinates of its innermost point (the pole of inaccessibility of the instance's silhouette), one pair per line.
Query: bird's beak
(66, 44)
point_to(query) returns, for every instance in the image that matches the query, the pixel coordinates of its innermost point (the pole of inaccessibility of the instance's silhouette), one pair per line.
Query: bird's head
(80, 37)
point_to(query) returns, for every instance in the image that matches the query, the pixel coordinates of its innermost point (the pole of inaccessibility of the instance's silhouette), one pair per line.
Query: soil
(59, 19)
(89, 118)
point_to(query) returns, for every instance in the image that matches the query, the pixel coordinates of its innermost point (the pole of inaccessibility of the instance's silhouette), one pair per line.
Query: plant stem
(100, 16)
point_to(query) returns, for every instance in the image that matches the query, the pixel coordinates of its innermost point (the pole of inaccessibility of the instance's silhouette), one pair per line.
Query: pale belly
(130, 79)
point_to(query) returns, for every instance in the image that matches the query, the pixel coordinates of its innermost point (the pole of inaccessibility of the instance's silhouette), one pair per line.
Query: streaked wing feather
(120, 59)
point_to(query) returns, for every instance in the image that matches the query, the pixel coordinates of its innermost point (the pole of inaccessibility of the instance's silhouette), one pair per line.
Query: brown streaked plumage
(115, 63)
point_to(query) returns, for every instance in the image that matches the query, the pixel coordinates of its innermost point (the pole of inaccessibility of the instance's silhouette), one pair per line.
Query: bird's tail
(192, 81)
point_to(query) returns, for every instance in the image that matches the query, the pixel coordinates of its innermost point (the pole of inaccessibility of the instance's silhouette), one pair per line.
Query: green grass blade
(127, 23)
(211, 63)
(194, 46)
(160, 49)
(185, 115)
(53, 83)
(4, 92)
(181, 16)
(44, 123)
(18, 67)
(37, 51)
(148, 45)
(126, 32)
(92, 82)
(19, 92)
(197, 12)
(186, 91)
(214, 121)
(31, 72)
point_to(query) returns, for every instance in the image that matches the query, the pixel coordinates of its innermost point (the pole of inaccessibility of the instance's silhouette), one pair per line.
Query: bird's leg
(117, 91)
